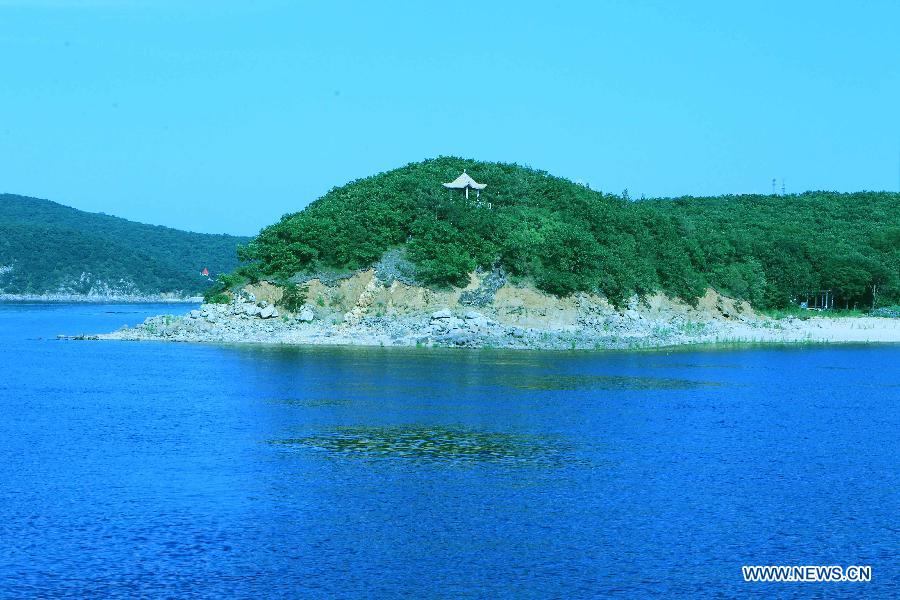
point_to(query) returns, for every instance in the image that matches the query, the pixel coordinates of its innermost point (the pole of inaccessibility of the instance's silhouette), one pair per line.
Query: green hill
(565, 237)
(47, 248)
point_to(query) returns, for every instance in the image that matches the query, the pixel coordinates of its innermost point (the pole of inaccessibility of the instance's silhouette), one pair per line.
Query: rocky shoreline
(364, 311)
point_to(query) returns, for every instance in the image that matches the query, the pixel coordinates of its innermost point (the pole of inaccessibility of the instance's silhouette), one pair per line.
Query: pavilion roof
(464, 181)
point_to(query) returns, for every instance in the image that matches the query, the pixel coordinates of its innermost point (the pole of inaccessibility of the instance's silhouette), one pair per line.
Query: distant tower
(782, 186)
(773, 186)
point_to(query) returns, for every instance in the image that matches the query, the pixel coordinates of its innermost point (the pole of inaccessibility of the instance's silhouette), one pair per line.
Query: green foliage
(294, 297)
(232, 281)
(772, 250)
(218, 293)
(216, 297)
(570, 260)
(890, 312)
(567, 238)
(440, 252)
(50, 246)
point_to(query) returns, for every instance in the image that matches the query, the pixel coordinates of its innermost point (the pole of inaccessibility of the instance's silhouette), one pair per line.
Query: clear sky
(221, 116)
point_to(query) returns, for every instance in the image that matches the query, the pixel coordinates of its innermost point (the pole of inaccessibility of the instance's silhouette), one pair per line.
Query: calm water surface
(175, 470)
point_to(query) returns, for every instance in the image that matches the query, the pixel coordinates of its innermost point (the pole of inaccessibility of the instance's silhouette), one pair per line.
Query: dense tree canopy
(566, 237)
(44, 245)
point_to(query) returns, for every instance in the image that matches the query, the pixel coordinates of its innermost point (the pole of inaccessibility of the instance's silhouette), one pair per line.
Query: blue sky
(221, 116)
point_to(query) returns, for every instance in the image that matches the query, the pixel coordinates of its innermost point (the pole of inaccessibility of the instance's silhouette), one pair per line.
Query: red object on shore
(205, 272)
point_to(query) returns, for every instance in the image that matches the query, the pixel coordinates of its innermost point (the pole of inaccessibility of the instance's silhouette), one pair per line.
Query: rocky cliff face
(362, 308)
(365, 294)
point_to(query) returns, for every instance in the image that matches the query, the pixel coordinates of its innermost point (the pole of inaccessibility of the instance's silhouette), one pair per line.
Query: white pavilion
(464, 182)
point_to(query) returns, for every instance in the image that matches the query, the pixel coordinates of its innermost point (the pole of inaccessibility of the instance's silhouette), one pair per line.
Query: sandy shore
(838, 330)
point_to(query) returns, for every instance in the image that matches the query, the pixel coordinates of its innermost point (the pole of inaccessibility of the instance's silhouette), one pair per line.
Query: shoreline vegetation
(403, 258)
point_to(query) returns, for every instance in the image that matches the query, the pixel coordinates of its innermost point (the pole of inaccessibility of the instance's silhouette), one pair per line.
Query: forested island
(514, 256)
(50, 251)
(566, 238)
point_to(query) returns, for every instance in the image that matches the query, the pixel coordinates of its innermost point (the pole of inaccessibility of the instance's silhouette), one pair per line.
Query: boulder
(441, 314)
(268, 312)
(482, 323)
(473, 315)
(459, 338)
(306, 315)
(195, 314)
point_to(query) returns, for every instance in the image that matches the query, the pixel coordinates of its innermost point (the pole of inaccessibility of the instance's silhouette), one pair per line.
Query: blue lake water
(175, 470)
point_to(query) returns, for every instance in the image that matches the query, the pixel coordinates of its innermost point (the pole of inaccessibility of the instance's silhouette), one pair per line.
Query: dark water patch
(605, 382)
(398, 388)
(431, 444)
(694, 366)
(310, 402)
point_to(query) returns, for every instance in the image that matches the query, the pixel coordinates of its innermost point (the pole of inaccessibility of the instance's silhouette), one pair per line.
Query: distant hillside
(565, 237)
(49, 248)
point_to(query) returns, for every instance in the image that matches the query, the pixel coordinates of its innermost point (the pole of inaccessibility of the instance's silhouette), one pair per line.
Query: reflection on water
(685, 365)
(605, 382)
(430, 443)
(310, 402)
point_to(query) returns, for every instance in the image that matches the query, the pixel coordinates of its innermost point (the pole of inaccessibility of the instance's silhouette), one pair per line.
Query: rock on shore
(361, 309)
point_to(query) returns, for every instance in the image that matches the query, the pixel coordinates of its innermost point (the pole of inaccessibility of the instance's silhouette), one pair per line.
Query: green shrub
(216, 298)
(293, 297)
(571, 260)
